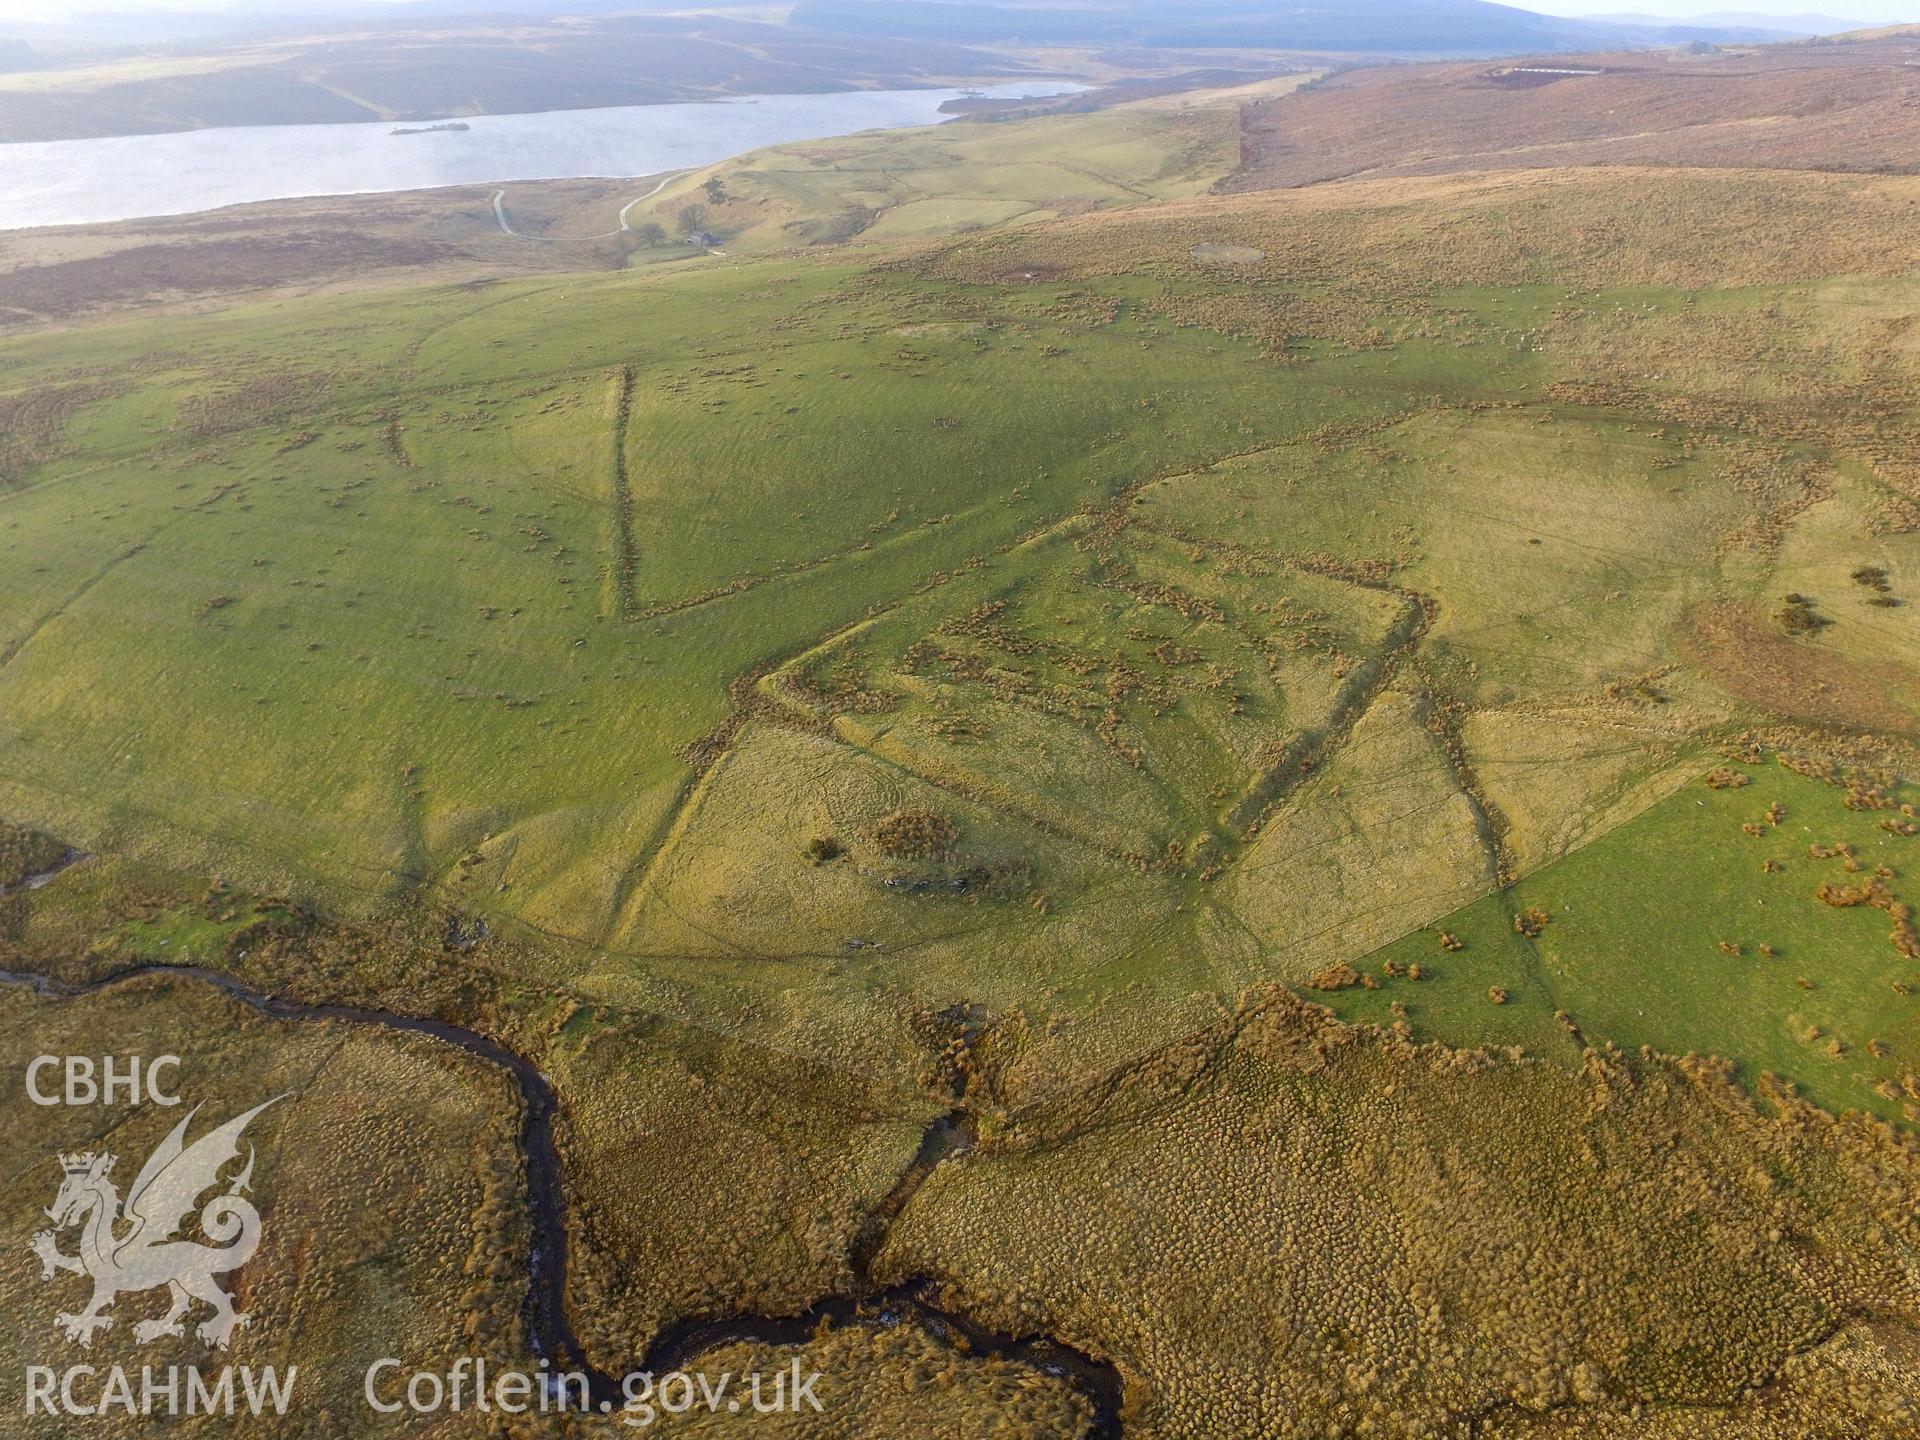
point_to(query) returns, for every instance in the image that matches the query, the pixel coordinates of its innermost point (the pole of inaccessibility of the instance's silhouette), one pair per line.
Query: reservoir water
(125, 177)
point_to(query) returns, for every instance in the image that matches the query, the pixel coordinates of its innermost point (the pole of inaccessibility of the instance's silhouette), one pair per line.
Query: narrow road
(506, 226)
(500, 214)
(665, 181)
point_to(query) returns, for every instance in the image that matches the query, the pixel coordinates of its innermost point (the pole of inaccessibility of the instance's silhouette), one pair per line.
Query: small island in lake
(430, 129)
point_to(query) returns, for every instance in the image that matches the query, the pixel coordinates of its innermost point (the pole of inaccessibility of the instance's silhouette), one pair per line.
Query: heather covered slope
(1830, 106)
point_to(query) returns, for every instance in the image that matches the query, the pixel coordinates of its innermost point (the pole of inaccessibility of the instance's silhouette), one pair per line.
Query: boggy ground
(1297, 1229)
(1277, 1225)
(387, 1180)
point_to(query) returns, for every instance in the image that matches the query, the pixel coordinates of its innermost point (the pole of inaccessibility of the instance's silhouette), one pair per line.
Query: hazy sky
(1872, 12)
(1881, 12)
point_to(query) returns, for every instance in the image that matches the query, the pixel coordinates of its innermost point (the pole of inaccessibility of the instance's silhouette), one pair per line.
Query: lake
(125, 177)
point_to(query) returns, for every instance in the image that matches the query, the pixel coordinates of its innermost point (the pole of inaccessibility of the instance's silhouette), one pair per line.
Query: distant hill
(1813, 106)
(392, 73)
(17, 55)
(1795, 25)
(1400, 27)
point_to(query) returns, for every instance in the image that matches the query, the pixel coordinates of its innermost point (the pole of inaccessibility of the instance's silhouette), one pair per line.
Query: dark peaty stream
(676, 1347)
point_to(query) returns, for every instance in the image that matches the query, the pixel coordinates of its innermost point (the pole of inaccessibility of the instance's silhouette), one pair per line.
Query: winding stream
(677, 1346)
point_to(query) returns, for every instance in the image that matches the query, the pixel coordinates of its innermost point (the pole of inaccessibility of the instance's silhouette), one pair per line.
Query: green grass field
(1237, 619)
(1673, 932)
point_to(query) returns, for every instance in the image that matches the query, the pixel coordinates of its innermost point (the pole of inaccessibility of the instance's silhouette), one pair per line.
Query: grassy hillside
(1008, 696)
(952, 179)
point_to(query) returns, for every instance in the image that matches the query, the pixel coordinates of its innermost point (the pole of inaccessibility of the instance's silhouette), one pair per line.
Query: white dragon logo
(137, 1250)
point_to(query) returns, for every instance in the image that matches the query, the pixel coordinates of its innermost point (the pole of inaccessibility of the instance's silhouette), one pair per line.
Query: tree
(692, 218)
(650, 233)
(716, 189)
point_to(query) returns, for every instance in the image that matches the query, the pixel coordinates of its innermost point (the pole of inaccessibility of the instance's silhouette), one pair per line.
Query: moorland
(1303, 788)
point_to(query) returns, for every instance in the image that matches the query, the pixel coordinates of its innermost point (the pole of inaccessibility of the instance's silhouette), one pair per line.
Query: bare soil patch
(1797, 679)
